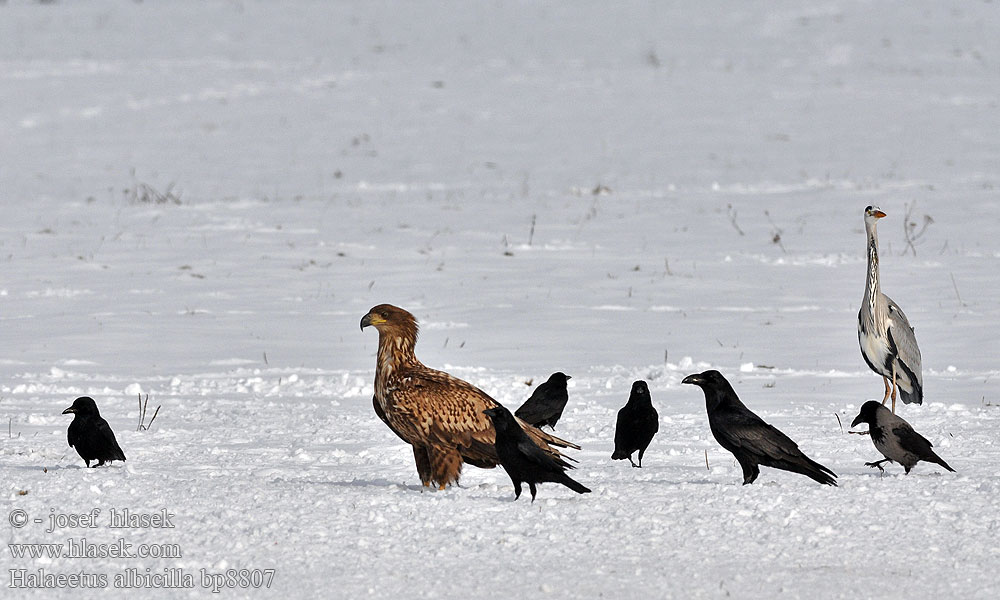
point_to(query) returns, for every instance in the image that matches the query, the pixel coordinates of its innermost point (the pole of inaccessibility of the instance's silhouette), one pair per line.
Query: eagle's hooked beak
(371, 319)
(69, 411)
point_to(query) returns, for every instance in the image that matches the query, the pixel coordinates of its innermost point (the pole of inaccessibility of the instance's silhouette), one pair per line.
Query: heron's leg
(893, 387)
(885, 380)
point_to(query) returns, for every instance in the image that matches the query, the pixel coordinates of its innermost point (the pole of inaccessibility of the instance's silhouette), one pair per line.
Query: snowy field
(200, 200)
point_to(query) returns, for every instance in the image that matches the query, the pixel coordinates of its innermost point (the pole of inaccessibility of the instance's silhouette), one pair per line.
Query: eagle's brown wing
(381, 415)
(439, 409)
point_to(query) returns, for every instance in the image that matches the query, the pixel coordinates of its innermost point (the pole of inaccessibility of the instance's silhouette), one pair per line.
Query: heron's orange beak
(878, 214)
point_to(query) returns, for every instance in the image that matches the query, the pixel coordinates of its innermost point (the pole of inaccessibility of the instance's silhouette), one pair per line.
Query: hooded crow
(895, 438)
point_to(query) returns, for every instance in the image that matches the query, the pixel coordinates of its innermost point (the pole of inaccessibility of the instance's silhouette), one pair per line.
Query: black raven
(523, 459)
(895, 439)
(748, 437)
(546, 403)
(90, 434)
(637, 423)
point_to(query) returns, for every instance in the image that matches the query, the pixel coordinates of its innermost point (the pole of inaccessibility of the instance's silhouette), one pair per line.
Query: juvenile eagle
(439, 415)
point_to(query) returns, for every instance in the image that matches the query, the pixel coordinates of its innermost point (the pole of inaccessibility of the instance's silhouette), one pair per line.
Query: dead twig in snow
(732, 218)
(143, 404)
(910, 231)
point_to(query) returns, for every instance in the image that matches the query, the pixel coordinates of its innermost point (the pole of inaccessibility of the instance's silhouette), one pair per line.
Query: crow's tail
(574, 485)
(934, 458)
(810, 468)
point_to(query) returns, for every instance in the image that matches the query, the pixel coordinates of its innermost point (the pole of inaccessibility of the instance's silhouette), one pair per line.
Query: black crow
(523, 459)
(895, 439)
(90, 434)
(748, 437)
(546, 403)
(637, 423)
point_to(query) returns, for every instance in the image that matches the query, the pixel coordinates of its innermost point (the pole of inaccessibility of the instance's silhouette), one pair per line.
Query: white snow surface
(619, 191)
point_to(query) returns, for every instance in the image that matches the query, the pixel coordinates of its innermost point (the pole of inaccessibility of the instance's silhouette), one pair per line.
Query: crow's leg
(878, 464)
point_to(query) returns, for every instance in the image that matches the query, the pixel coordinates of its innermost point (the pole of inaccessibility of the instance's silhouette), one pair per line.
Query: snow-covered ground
(614, 190)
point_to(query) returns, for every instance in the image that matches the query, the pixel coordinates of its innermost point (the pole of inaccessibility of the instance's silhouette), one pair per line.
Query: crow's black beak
(857, 420)
(69, 411)
(692, 379)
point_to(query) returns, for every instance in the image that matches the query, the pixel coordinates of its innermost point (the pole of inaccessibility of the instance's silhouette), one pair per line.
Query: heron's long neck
(872, 288)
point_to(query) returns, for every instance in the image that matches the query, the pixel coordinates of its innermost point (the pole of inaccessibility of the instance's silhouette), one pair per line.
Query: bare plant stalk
(839, 422)
(141, 415)
(732, 218)
(707, 468)
(155, 412)
(955, 285)
(143, 406)
(910, 231)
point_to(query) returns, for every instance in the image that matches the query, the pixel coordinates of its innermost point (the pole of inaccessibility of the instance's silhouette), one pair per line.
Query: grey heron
(887, 341)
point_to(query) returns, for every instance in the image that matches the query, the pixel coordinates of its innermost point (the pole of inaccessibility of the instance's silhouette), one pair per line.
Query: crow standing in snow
(637, 423)
(895, 438)
(90, 434)
(748, 437)
(546, 403)
(523, 460)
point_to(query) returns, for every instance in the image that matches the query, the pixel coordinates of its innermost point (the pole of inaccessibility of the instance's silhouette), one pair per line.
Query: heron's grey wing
(904, 338)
